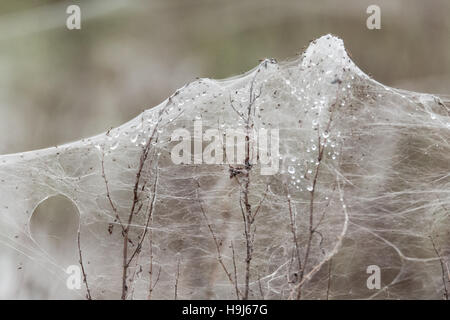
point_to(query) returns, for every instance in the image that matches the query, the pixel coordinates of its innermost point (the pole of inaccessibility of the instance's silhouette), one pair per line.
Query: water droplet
(114, 145)
(291, 169)
(309, 188)
(325, 134)
(134, 138)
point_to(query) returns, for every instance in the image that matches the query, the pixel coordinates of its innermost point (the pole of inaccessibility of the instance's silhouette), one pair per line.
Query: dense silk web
(363, 180)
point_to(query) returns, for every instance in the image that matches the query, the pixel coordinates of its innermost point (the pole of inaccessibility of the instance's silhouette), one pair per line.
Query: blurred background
(59, 85)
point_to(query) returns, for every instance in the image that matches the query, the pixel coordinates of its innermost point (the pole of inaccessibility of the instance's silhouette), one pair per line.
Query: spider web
(363, 180)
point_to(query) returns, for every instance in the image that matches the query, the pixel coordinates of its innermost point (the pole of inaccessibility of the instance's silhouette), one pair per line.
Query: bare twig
(235, 110)
(152, 287)
(176, 279)
(88, 291)
(294, 230)
(108, 194)
(136, 207)
(217, 244)
(311, 228)
(261, 202)
(443, 264)
(151, 284)
(329, 279)
(246, 208)
(235, 272)
(149, 214)
(260, 288)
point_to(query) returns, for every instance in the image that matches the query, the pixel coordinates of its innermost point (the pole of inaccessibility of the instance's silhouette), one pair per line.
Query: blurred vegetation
(58, 85)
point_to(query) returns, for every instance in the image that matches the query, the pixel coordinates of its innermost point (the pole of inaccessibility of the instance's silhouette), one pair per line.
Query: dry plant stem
(444, 282)
(448, 272)
(260, 288)
(246, 208)
(88, 291)
(329, 279)
(135, 208)
(150, 272)
(133, 211)
(311, 228)
(137, 190)
(318, 266)
(235, 271)
(248, 239)
(176, 279)
(217, 244)
(152, 285)
(136, 270)
(108, 194)
(294, 230)
(149, 214)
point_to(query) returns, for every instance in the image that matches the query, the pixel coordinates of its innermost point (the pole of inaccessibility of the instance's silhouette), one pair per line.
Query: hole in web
(54, 226)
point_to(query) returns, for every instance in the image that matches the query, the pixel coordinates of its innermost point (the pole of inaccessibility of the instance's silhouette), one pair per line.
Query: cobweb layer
(363, 180)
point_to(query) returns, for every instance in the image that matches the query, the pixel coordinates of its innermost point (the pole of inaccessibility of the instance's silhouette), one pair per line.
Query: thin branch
(217, 244)
(329, 278)
(133, 210)
(108, 193)
(244, 202)
(261, 202)
(260, 287)
(294, 230)
(176, 279)
(88, 291)
(149, 218)
(444, 282)
(235, 272)
(151, 284)
(235, 110)
(152, 288)
(311, 227)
